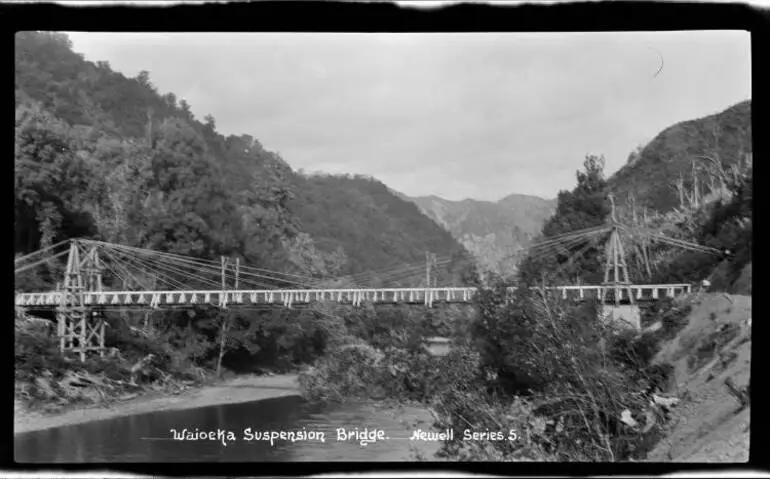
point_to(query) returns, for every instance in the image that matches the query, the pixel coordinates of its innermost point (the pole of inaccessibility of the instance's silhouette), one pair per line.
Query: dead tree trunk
(222, 341)
(226, 319)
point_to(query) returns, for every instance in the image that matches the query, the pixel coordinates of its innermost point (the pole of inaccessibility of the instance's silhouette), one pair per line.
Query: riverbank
(230, 391)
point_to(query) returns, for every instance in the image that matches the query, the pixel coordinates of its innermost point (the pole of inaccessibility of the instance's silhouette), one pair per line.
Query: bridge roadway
(219, 298)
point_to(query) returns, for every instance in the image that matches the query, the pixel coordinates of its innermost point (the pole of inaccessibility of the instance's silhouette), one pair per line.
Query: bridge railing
(289, 297)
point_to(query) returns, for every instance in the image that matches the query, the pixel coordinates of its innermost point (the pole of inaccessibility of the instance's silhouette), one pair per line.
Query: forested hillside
(363, 218)
(652, 173)
(128, 164)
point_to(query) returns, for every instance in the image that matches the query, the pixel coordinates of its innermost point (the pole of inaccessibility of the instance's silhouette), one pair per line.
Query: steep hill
(354, 223)
(650, 175)
(492, 231)
(372, 225)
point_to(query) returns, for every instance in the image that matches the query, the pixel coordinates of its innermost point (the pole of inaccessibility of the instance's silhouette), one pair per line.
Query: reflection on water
(148, 437)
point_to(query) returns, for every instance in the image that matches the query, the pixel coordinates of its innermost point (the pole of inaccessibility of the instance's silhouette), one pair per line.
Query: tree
(127, 172)
(309, 261)
(186, 110)
(584, 207)
(170, 100)
(210, 122)
(268, 221)
(49, 180)
(190, 208)
(635, 155)
(144, 79)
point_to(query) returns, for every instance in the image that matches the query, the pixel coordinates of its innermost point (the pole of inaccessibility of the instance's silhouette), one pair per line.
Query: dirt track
(236, 390)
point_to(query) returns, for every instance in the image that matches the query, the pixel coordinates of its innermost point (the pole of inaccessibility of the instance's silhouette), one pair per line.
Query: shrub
(347, 372)
(633, 350)
(132, 345)
(675, 320)
(709, 346)
(573, 382)
(525, 437)
(661, 375)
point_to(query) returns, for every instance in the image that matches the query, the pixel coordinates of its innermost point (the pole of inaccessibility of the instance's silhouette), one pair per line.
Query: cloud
(456, 115)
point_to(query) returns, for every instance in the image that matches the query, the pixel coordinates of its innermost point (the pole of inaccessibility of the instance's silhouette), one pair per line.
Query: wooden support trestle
(80, 326)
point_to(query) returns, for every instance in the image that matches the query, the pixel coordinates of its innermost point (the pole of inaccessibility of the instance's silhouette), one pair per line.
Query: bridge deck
(220, 298)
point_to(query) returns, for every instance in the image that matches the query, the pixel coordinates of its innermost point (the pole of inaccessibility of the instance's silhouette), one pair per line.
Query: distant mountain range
(492, 231)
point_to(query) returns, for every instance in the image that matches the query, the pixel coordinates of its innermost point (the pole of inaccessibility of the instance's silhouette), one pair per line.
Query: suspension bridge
(100, 277)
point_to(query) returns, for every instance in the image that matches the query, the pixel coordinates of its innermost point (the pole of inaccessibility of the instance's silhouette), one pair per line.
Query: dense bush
(351, 371)
(36, 352)
(631, 349)
(635, 353)
(132, 345)
(532, 366)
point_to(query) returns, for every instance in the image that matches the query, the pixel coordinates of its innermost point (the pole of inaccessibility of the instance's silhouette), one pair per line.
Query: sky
(456, 115)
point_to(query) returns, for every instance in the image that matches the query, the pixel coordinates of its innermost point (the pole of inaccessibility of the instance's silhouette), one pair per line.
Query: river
(149, 437)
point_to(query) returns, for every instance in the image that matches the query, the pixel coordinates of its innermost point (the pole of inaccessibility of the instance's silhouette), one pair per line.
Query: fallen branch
(742, 395)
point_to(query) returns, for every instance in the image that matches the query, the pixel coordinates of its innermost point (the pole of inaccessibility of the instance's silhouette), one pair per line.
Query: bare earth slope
(708, 424)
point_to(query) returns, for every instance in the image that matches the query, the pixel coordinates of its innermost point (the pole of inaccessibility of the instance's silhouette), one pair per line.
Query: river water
(149, 437)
